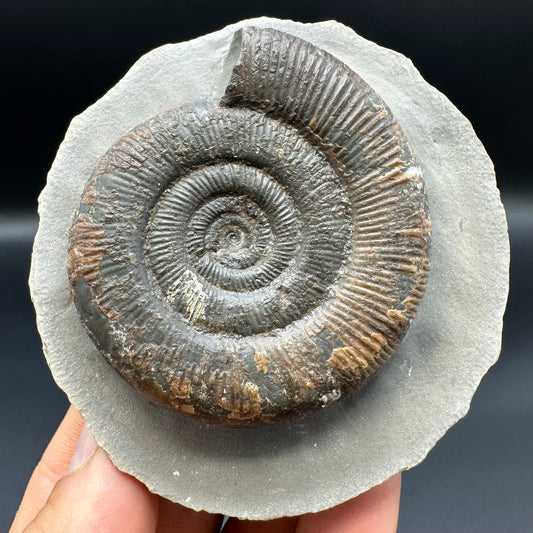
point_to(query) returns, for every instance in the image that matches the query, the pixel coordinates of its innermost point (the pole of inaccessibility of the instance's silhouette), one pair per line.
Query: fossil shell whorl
(250, 261)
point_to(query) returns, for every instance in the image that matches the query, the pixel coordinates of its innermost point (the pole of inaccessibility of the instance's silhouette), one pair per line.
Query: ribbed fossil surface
(249, 261)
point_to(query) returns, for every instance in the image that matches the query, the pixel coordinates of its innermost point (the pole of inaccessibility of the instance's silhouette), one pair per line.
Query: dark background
(59, 56)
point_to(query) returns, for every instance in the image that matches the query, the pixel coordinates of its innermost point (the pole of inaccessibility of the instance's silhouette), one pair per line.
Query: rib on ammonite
(247, 261)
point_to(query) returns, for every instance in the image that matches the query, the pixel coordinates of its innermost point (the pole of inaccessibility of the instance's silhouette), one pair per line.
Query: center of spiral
(235, 232)
(232, 238)
(230, 241)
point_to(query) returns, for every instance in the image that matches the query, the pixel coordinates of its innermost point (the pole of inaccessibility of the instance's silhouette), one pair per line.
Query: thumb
(96, 497)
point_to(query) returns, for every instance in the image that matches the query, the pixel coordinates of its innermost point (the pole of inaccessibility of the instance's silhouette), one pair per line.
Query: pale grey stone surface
(390, 425)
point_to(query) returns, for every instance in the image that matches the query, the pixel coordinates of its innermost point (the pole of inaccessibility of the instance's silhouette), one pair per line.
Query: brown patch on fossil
(296, 363)
(89, 196)
(85, 250)
(415, 233)
(375, 340)
(181, 388)
(408, 266)
(261, 361)
(309, 384)
(187, 409)
(84, 256)
(423, 231)
(349, 358)
(302, 377)
(390, 174)
(358, 358)
(398, 316)
(242, 400)
(150, 388)
(410, 303)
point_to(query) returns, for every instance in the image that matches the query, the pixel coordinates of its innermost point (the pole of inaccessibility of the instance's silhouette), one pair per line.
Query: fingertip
(98, 497)
(175, 517)
(84, 450)
(374, 511)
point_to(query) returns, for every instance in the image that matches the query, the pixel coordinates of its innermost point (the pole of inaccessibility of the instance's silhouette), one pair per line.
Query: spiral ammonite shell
(250, 260)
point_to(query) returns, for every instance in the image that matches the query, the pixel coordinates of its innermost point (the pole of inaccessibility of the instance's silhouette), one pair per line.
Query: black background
(59, 56)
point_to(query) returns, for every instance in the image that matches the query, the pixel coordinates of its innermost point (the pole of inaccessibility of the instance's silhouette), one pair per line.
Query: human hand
(76, 488)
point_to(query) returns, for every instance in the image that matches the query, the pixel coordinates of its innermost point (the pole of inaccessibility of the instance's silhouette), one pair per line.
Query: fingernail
(84, 449)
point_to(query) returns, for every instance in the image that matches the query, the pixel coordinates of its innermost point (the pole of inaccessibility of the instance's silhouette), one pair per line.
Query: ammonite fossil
(248, 260)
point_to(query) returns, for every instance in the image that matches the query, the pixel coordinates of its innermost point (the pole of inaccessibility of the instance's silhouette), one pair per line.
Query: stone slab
(390, 425)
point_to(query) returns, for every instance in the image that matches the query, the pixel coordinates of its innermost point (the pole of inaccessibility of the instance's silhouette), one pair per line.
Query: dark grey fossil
(249, 261)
